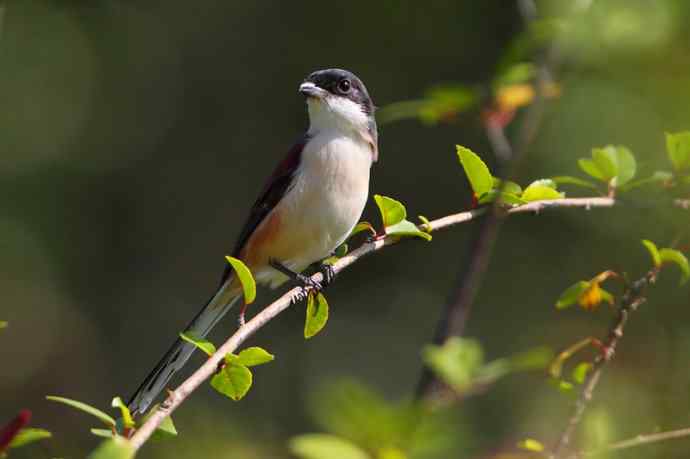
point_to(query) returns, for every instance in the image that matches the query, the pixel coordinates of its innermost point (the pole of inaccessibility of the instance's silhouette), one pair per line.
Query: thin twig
(631, 299)
(638, 440)
(178, 396)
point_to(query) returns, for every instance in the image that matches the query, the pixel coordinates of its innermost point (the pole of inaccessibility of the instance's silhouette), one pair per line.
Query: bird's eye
(344, 86)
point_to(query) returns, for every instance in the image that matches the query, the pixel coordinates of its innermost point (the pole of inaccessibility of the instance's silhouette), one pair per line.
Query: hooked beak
(309, 89)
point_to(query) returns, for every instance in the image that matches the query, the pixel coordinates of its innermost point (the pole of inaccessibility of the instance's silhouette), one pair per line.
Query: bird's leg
(327, 272)
(306, 281)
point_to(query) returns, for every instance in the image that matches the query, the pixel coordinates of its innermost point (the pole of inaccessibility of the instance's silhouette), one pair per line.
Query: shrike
(307, 208)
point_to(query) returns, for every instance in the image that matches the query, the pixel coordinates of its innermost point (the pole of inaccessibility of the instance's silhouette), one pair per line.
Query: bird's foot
(328, 273)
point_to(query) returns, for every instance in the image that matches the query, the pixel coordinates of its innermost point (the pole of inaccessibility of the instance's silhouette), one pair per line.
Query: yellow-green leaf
(29, 435)
(571, 294)
(85, 408)
(678, 148)
(233, 381)
(205, 345)
(363, 226)
(246, 279)
(580, 372)
(253, 356)
(114, 448)
(530, 444)
(540, 190)
(317, 314)
(325, 446)
(392, 210)
(653, 252)
(127, 420)
(568, 180)
(605, 159)
(677, 257)
(477, 172)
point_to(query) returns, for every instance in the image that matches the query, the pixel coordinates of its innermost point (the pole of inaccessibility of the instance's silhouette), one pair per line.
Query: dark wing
(275, 188)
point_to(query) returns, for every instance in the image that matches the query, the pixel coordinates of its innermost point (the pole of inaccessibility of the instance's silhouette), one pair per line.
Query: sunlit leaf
(394, 214)
(477, 172)
(317, 314)
(246, 279)
(680, 260)
(206, 346)
(530, 444)
(127, 420)
(519, 72)
(507, 198)
(29, 435)
(678, 148)
(568, 180)
(653, 252)
(325, 446)
(580, 372)
(615, 165)
(114, 448)
(626, 166)
(233, 381)
(392, 211)
(391, 453)
(85, 408)
(539, 190)
(571, 294)
(341, 250)
(253, 356)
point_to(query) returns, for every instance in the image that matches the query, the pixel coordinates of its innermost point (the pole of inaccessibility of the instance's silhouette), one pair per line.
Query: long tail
(173, 360)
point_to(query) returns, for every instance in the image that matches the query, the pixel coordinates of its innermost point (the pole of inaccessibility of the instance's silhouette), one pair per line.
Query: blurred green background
(134, 136)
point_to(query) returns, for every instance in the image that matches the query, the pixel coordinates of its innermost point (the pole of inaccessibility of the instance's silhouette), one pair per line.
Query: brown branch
(638, 440)
(178, 396)
(632, 298)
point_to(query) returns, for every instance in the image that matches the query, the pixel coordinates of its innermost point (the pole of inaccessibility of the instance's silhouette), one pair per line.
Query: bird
(307, 208)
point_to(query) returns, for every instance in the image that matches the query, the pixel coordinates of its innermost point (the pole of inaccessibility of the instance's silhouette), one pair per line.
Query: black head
(341, 83)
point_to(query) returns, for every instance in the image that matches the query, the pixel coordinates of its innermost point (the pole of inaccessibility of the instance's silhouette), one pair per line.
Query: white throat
(336, 114)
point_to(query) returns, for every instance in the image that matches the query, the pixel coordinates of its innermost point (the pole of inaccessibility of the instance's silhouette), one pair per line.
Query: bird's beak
(309, 89)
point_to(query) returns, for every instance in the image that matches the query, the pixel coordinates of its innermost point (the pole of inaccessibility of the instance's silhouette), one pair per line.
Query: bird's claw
(328, 273)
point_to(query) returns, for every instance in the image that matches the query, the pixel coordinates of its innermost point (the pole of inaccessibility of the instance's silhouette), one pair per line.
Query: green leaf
(206, 346)
(569, 180)
(253, 356)
(114, 448)
(233, 381)
(605, 159)
(580, 372)
(590, 168)
(530, 444)
(457, 361)
(165, 429)
(407, 228)
(325, 446)
(363, 226)
(520, 72)
(317, 314)
(571, 294)
(626, 166)
(507, 198)
(3, 324)
(127, 420)
(246, 279)
(677, 257)
(539, 190)
(678, 148)
(506, 186)
(656, 177)
(476, 171)
(29, 435)
(392, 211)
(85, 408)
(653, 252)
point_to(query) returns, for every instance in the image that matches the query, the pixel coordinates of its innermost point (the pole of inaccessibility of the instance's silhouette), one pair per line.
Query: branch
(209, 367)
(632, 298)
(638, 440)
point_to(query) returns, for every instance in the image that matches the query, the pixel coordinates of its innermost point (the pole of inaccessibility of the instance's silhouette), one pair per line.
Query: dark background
(134, 136)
